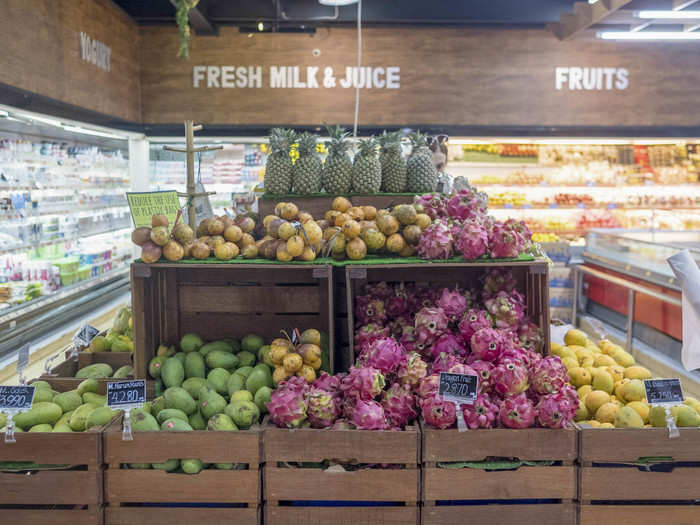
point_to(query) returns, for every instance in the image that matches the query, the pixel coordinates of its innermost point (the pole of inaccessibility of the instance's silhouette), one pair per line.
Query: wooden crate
(132, 495)
(532, 276)
(62, 376)
(530, 494)
(318, 206)
(226, 300)
(70, 495)
(341, 497)
(611, 484)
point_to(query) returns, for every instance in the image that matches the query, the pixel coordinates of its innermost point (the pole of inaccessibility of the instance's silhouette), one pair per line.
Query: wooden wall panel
(41, 53)
(448, 77)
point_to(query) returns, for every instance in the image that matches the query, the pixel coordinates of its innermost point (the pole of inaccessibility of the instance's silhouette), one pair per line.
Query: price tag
(14, 399)
(460, 388)
(664, 391)
(508, 206)
(581, 205)
(86, 334)
(126, 394)
(527, 206)
(22, 362)
(612, 205)
(553, 205)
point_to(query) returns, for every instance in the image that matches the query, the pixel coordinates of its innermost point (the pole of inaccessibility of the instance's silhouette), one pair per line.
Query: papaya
(40, 384)
(95, 399)
(157, 405)
(67, 400)
(100, 416)
(177, 397)
(190, 343)
(89, 385)
(197, 422)
(175, 425)
(222, 346)
(172, 373)
(194, 365)
(221, 359)
(41, 412)
(43, 427)
(78, 421)
(170, 413)
(193, 385)
(44, 394)
(120, 345)
(142, 422)
(210, 402)
(217, 379)
(124, 372)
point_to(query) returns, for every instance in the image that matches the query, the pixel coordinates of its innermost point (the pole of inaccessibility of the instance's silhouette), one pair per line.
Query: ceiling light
(85, 131)
(337, 3)
(668, 14)
(648, 35)
(44, 120)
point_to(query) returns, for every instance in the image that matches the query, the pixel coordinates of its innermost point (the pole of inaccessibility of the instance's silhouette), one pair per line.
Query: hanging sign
(126, 394)
(460, 388)
(664, 391)
(144, 205)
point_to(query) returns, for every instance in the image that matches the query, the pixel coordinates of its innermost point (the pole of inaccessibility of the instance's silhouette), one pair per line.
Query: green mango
(143, 422)
(234, 344)
(686, 416)
(224, 466)
(180, 356)
(235, 383)
(191, 466)
(657, 416)
(172, 373)
(156, 365)
(244, 371)
(157, 405)
(177, 397)
(257, 379)
(168, 466)
(246, 358)
(78, 421)
(221, 422)
(241, 395)
(175, 425)
(95, 399)
(41, 412)
(100, 417)
(124, 372)
(221, 359)
(169, 413)
(193, 385)
(197, 422)
(210, 402)
(89, 385)
(262, 398)
(190, 343)
(221, 346)
(44, 395)
(120, 345)
(62, 427)
(95, 371)
(263, 354)
(140, 466)
(3, 420)
(194, 365)
(158, 388)
(40, 384)
(148, 407)
(252, 343)
(67, 400)
(217, 379)
(65, 418)
(243, 413)
(43, 427)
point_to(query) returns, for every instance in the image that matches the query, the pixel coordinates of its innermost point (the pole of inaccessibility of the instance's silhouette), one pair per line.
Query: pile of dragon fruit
(406, 335)
(461, 226)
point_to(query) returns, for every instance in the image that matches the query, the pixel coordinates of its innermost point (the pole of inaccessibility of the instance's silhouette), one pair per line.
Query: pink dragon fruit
(530, 335)
(430, 324)
(408, 339)
(429, 386)
(349, 401)
(369, 309)
(498, 280)
(384, 354)
(517, 412)
(483, 369)
(453, 303)
(443, 363)
(399, 405)
(296, 383)
(548, 375)
(322, 408)
(343, 424)
(397, 303)
(473, 321)
(525, 358)
(556, 410)
(438, 412)
(380, 290)
(506, 240)
(509, 378)
(506, 309)
(472, 241)
(412, 370)
(369, 415)
(481, 414)
(368, 333)
(461, 368)
(328, 382)
(448, 344)
(488, 344)
(466, 204)
(363, 382)
(287, 406)
(435, 242)
(433, 204)
(398, 325)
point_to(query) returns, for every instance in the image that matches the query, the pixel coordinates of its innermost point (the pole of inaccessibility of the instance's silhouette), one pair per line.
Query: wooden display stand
(616, 486)
(317, 206)
(541, 495)
(341, 497)
(128, 491)
(62, 376)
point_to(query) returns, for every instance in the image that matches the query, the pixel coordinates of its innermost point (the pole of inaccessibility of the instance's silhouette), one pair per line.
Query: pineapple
(307, 169)
(366, 170)
(338, 167)
(278, 167)
(393, 163)
(421, 175)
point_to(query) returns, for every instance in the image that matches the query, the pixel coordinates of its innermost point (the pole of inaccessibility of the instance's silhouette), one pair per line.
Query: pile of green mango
(104, 371)
(73, 411)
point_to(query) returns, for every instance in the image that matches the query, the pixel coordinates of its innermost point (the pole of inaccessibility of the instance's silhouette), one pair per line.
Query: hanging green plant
(182, 17)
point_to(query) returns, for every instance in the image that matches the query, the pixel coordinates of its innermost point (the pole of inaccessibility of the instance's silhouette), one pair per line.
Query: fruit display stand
(226, 299)
(157, 497)
(336, 496)
(501, 476)
(318, 204)
(638, 475)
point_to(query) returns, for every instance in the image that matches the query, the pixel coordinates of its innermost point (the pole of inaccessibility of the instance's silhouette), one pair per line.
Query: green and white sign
(144, 205)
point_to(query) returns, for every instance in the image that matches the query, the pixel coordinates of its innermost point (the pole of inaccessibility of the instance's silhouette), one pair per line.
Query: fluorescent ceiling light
(337, 3)
(4, 113)
(667, 14)
(85, 131)
(648, 35)
(44, 120)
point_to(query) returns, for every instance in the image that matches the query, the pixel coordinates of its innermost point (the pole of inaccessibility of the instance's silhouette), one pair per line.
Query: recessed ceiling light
(667, 14)
(337, 3)
(649, 35)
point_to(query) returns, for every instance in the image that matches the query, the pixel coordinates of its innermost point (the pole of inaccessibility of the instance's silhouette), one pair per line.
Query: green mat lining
(292, 196)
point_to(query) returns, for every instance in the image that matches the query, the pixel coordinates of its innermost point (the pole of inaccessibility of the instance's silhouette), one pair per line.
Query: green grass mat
(292, 196)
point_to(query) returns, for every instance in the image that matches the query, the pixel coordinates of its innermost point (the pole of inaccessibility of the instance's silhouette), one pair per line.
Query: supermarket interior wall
(43, 54)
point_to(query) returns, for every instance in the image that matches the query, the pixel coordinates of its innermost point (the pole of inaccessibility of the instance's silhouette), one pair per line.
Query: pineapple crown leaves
(367, 147)
(281, 139)
(390, 141)
(338, 144)
(306, 143)
(418, 140)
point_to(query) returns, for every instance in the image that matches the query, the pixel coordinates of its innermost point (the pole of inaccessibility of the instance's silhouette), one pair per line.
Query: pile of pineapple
(610, 386)
(378, 166)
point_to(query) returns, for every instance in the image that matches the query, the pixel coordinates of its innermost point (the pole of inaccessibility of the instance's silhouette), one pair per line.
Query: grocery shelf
(31, 245)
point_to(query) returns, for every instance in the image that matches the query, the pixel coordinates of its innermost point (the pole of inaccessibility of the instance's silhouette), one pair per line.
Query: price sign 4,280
(126, 393)
(16, 397)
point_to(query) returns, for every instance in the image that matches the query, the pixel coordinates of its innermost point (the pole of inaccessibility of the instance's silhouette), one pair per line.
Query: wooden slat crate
(528, 495)
(532, 277)
(132, 495)
(611, 485)
(62, 376)
(226, 300)
(343, 497)
(318, 206)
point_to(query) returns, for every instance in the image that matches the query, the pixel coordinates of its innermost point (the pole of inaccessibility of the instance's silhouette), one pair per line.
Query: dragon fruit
(530, 335)
(296, 383)
(328, 382)
(399, 405)
(430, 324)
(369, 415)
(343, 424)
(398, 325)
(525, 358)
(472, 240)
(548, 375)
(443, 363)
(384, 354)
(287, 406)
(506, 308)
(481, 414)
(506, 240)
(397, 303)
(369, 309)
(509, 378)
(517, 412)
(380, 290)
(368, 333)
(556, 410)
(408, 339)
(473, 321)
(433, 204)
(488, 344)
(322, 408)
(498, 280)
(429, 386)
(435, 242)
(453, 303)
(438, 412)
(483, 369)
(363, 382)
(448, 344)
(466, 204)
(412, 370)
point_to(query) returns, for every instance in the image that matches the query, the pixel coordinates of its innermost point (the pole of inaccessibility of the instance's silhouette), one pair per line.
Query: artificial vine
(182, 17)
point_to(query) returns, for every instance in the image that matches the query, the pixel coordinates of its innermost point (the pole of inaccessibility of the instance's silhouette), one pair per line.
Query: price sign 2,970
(16, 398)
(126, 393)
(461, 388)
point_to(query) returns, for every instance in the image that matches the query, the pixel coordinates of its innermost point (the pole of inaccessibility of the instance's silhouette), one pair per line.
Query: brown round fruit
(356, 249)
(412, 233)
(304, 217)
(182, 233)
(282, 253)
(367, 225)
(351, 229)
(267, 219)
(141, 236)
(214, 241)
(395, 243)
(216, 227)
(246, 240)
(203, 227)
(382, 212)
(313, 231)
(323, 224)
(407, 251)
(289, 211)
(200, 250)
(330, 232)
(268, 249)
(273, 227)
(250, 251)
(160, 235)
(308, 254)
(159, 220)
(405, 213)
(295, 246)
(173, 251)
(341, 219)
(330, 216)
(286, 231)
(423, 220)
(278, 208)
(233, 233)
(203, 238)
(341, 204)
(228, 221)
(356, 213)
(370, 212)
(187, 249)
(223, 252)
(246, 224)
(150, 252)
(337, 244)
(387, 224)
(374, 239)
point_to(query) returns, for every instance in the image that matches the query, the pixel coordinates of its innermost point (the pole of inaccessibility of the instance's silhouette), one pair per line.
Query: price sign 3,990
(16, 398)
